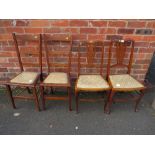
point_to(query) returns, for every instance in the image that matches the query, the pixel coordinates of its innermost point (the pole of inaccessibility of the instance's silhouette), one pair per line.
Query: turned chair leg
(36, 99)
(10, 95)
(138, 100)
(43, 97)
(69, 98)
(77, 101)
(109, 103)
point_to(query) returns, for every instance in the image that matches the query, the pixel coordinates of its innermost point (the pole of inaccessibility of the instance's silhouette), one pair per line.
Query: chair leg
(109, 103)
(36, 99)
(28, 90)
(10, 95)
(52, 91)
(107, 97)
(138, 100)
(42, 97)
(69, 98)
(77, 101)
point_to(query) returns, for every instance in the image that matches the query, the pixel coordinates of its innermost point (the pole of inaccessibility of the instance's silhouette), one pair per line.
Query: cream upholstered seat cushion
(25, 78)
(92, 82)
(57, 78)
(124, 81)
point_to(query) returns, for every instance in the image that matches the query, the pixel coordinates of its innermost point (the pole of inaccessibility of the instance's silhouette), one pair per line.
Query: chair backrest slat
(26, 37)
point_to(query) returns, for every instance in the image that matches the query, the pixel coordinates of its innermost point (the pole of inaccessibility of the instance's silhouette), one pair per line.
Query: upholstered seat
(56, 78)
(25, 78)
(124, 81)
(92, 82)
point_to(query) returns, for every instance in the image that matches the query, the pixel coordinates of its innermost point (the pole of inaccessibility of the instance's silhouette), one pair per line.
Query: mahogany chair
(26, 79)
(94, 60)
(58, 56)
(122, 51)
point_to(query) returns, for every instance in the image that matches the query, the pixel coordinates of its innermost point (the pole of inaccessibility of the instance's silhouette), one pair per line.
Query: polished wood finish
(36, 98)
(11, 96)
(92, 48)
(51, 52)
(121, 47)
(26, 38)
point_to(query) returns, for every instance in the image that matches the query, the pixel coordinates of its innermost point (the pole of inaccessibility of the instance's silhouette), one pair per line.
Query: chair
(25, 44)
(93, 82)
(58, 57)
(124, 50)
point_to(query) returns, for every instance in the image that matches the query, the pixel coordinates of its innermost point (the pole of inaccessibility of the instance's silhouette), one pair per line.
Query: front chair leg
(43, 97)
(138, 100)
(10, 95)
(69, 98)
(109, 103)
(77, 101)
(36, 99)
(106, 101)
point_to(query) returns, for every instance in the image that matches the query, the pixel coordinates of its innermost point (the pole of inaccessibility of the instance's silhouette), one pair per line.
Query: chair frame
(90, 45)
(55, 38)
(33, 86)
(120, 55)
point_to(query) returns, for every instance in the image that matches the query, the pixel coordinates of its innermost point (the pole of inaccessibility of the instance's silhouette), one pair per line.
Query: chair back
(58, 52)
(121, 52)
(90, 57)
(29, 51)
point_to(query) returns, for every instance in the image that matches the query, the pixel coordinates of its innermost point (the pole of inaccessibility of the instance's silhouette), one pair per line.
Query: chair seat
(25, 78)
(124, 81)
(56, 78)
(92, 82)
